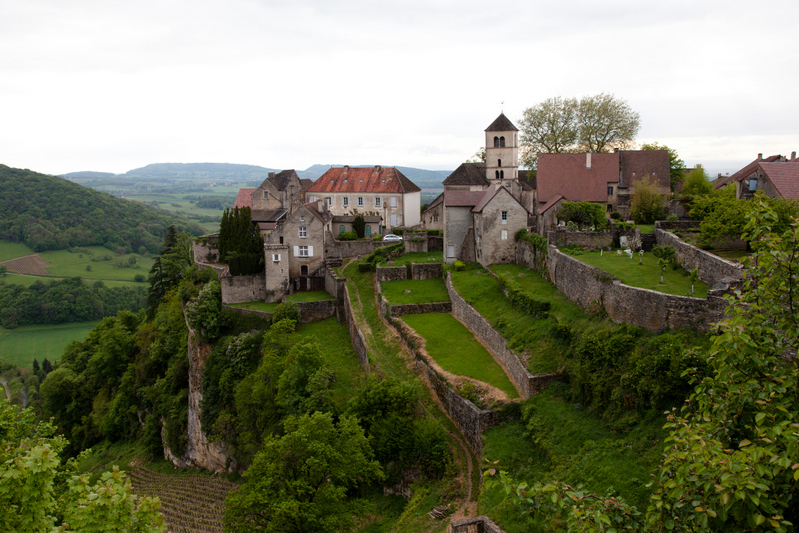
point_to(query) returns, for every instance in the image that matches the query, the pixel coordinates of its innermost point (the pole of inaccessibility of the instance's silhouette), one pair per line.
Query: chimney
(759, 156)
(616, 150)
(377, 169)
(321, 205)
(793, 154)
(346, 168)
(271, 174)
(588, 160)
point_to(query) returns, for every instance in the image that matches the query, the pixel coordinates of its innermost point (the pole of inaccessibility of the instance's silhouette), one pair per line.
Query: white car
(391, 238)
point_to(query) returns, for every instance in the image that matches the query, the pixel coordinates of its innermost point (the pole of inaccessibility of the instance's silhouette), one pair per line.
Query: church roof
(502, 124)
(468, 174)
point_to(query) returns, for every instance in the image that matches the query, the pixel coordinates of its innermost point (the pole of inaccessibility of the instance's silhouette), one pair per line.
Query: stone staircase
(648, 240)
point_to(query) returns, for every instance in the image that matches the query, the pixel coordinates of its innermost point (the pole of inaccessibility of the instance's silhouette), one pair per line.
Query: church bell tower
(502, 152)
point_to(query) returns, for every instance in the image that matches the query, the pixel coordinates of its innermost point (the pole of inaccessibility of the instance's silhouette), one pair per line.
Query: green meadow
(22, 345)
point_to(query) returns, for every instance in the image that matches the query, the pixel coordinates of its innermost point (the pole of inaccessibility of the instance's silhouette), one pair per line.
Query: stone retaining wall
(419, 309)
(412, 246)
(205, 248)
(678, 225)
(237, 289)
(356, 336)
(587, 285)
(335, 286)
(341, 249)
(434, 242)
(478, 524)
(425, 270)
(527, 384)
(587, 239)
(528, 256)
(247, 312)
(713, 270)
(390, 273)
(316, 311)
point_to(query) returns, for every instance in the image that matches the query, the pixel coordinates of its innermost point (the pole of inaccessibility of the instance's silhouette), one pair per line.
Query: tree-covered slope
(51, 213)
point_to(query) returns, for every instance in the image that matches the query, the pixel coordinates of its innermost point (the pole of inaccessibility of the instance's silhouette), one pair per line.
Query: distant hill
(51, 213)
(88, 175)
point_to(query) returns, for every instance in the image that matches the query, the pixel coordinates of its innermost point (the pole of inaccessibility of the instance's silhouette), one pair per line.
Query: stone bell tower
(502, 152)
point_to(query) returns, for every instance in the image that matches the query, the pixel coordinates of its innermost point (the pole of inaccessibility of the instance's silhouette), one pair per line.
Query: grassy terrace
(645, 275)
(454, 347)
(297, 297)
(436, 256)
(421, 291)
(523, 331)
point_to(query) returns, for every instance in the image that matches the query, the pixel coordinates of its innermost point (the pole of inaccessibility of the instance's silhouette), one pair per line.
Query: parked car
(391, 238)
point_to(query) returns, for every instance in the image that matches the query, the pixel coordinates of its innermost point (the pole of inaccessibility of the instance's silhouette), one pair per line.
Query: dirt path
(8, 392)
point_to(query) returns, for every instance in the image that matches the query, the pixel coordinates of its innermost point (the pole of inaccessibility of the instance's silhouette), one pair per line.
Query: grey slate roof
(502, 124)
(468, 174)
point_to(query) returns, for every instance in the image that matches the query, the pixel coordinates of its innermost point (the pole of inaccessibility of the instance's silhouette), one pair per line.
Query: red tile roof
(364, 179)
(567, 175)
(554, 201)
(635, 164)
(462, 198)
(744, 172)
(244, 198)
(785, 177)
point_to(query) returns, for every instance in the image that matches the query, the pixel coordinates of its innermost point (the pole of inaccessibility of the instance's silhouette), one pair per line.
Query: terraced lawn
(436, 256)
(454, 347)
(297, 297)
(419, 291)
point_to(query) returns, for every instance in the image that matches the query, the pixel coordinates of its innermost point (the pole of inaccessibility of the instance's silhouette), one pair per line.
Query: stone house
(378, 191)
(480, 225)
(777, 176)
(280, 194)
(433, 216)
(735, 178)
(341, 224)
(294, 251)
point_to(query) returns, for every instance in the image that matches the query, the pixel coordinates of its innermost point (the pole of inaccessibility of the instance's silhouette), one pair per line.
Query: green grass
(566, 443)
(436, 256)
(522, 331)
(309, 296)
(454, 347)
(645, 275)
(12, 250)
(66, 264)
(645, 228)
(339, 355)
(27, 280)
(422, 291)
(165, 201)
(22, 345)
(257, 305)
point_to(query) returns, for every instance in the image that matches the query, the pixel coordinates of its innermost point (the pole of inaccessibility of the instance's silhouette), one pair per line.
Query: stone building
(379, 191)
(776, 176)
(480, 225)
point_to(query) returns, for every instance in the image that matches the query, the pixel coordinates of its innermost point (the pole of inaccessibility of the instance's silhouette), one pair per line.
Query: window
(504, 235)
(329, 200)
(610, 190)
(502, 142)
(393, 201)
(360, 201)
(435, 218)
(753, 184)
(345, 201)
(368, 231)
(499, 162)
(313, 198)
(341, 229)
(496, 175)
(378, 202)
(266, 195)
(302, 219)
(303, 232)
(275, 258)
(302, 251)
(504, 217)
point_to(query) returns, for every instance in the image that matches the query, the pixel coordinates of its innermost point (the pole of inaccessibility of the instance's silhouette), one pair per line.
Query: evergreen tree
(47, 366)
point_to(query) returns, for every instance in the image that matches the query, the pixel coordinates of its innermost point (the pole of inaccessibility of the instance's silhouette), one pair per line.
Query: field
(26, 343)
(645, 275)
(454, 347)
(419, 291)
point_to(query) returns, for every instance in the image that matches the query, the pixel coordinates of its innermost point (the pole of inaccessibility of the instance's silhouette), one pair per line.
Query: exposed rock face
(200, 452)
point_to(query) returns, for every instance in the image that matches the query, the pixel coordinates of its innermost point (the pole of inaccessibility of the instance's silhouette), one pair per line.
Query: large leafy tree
(596, 123)
(299, 482)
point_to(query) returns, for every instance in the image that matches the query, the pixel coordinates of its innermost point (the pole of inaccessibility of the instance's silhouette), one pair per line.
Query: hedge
(529, 305)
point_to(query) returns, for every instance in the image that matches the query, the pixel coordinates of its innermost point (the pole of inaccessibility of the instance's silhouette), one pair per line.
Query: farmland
(26, 343)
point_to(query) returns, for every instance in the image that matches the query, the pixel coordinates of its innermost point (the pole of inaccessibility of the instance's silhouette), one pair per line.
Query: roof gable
(281, 179)
(567, 175)
(785, 178)
(491, 193)
(364, 179)
(502, 124)
(745, 171)
(635, 164)
(244, 198)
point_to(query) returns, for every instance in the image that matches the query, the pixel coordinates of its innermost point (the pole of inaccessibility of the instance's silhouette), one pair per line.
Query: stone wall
(527, 384)
(587, 285)
(419, 309)
(335, 286)
(394, 273)
(205, 248)
(237, 289)
(589, 240)
(479, 524)
(247, 312)
(434, 242)
(713, 270)
(425, 270)
(678, 225)
(316, 311)
(528, 256)
(342, 249)
(356, 336)
(411, 245)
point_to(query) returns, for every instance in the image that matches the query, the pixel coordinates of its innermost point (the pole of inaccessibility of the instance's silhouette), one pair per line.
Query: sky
(114, 85)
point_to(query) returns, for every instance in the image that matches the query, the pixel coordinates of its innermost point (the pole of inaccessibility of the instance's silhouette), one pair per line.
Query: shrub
(138, 278)
(528, 304)
(458, 265)
(615, 215)
(347, 236)
(622, 226)
(246, 264)
(583, 214)
(286, 310)
(366, 267)
(647, 203)
(377, 238)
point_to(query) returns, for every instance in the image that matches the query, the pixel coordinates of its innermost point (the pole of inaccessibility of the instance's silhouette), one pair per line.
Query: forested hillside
(51, 213)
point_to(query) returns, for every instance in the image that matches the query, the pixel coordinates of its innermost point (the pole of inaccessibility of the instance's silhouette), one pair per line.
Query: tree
(697, 182)
(299, 482)
(548, 127)
(479, 156)
(676, 165)
(359, 225)
(584, 214)
(647, 204)
(561, 125)
(722, 215)
(606, 122)
(37, 490)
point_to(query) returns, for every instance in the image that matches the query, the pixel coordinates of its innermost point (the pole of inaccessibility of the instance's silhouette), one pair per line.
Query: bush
(377, 238)
(622, 226)
(138, 278)
(366, 267)
(583, 214)
(458, 265)
(615, 215)
(246, 264)
(286, 310)
(647, 203)
(529, 305)
(347, 236)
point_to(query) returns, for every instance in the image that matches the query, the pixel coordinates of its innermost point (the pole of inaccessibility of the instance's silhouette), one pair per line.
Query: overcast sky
(113, 85)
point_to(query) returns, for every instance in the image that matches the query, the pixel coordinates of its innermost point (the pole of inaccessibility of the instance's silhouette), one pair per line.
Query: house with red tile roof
(777, 179)
(380, 191)
(480, 225)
